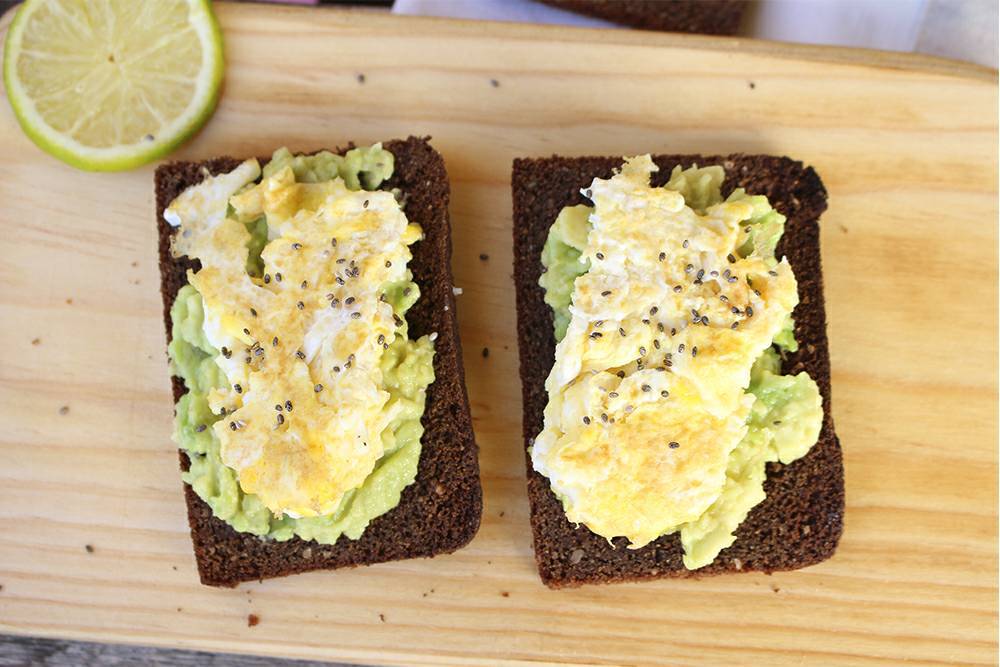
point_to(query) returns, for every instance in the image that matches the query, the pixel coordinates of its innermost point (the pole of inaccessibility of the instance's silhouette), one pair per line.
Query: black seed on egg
(749, 311)
(281, 419)
(694, 351)
(349, 300)
(731, 258)
(246, 331)
(700, 274)
(621, 332)
(238, 388)
(664, 393)
(300, 305)
(734, 325)
(674, 445)
(604, 417)
(689, 268)
(600, 255)
(606, 292)
(680, 349)
(267, 278)
(586, 420)
(663, 256)
(646, 387)
(200, 428)
(685, 244)
(613, 394)
(772, 273)
(300, 354)
(355, 315)
(288, 406)
(277, 276)
(278, 407)
(677, 289)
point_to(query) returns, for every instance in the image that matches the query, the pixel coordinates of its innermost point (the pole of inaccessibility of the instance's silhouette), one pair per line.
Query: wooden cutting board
(93, 537)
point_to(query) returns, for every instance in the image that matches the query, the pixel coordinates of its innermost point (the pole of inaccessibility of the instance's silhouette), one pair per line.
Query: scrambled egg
(647, 396)
(300, 345)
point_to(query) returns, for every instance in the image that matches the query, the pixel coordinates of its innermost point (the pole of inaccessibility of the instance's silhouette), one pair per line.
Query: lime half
(107, 85)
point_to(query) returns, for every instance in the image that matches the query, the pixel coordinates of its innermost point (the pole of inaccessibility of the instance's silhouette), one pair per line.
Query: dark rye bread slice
(708, 17)
(440, 511)
(801, 520)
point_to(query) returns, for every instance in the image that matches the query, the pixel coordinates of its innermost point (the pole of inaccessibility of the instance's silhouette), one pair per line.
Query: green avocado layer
(407, 368)
(787, 411)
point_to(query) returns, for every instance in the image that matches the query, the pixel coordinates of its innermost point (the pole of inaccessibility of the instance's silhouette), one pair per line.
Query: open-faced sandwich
(674, 366)
(321, 411)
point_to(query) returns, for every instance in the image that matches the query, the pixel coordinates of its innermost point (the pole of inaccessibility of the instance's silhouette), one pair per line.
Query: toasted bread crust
(801, 520)
(440, 511)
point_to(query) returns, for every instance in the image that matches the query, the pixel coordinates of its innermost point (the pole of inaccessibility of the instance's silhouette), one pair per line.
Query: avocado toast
(799, 519)
(439, 511)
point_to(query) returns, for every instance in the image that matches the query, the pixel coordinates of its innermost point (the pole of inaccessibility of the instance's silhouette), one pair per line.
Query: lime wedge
(107, 85)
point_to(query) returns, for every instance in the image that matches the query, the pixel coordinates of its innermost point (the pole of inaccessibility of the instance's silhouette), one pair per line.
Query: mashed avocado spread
(406, 367)
(787, 410)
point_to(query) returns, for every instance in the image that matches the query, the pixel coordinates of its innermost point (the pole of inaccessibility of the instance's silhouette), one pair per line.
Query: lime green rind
(48, 140)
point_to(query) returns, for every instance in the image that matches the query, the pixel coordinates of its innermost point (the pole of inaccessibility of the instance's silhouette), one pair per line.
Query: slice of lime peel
(107, 85)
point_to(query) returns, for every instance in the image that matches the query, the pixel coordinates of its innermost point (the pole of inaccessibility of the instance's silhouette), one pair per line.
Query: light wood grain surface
(22, 651)
(93, 537)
